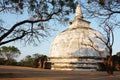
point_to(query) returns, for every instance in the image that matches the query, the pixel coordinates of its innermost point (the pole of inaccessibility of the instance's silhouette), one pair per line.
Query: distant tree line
(36, 61)
(9, 53)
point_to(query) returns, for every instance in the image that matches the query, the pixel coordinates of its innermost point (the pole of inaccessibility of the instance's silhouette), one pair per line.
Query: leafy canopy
(35, 27)
(10, 52)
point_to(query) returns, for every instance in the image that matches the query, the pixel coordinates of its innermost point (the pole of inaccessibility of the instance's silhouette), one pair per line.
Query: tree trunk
(109, 66)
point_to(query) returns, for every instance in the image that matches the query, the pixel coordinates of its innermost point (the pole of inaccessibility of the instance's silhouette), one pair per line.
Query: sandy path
(25, 73)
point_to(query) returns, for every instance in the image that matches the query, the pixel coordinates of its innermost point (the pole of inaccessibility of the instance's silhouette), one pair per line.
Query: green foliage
(36, 55)
(9, 53)
(118, 53)
(2, 61)
(29, 61)
(10, 62)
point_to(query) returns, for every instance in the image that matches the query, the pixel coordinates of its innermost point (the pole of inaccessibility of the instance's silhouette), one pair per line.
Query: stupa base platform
(75, 63)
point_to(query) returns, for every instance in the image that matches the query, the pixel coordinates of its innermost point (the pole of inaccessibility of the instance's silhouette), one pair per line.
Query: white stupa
(71, 49)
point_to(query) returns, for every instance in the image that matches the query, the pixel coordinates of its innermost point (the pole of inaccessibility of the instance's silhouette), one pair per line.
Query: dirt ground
(25, 73)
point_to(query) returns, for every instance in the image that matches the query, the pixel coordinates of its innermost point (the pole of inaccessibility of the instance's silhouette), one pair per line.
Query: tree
(28, 61)
(118, 53)
(36, 55)
(33, 61)
(107, 13)
(10, 52)
(40, 12)
(104, 10)
(108, 29)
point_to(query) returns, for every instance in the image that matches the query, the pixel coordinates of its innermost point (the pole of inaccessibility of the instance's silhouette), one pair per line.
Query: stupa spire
(78, 20)
(78, 12)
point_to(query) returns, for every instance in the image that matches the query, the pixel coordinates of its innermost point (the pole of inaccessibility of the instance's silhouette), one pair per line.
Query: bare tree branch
(13, 39)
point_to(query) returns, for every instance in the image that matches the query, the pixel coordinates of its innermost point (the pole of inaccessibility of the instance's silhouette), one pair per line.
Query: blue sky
(44, 46)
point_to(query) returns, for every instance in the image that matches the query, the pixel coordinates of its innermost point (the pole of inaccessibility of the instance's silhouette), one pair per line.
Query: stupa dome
(71, 49)
(76, 40)
(75, 43)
